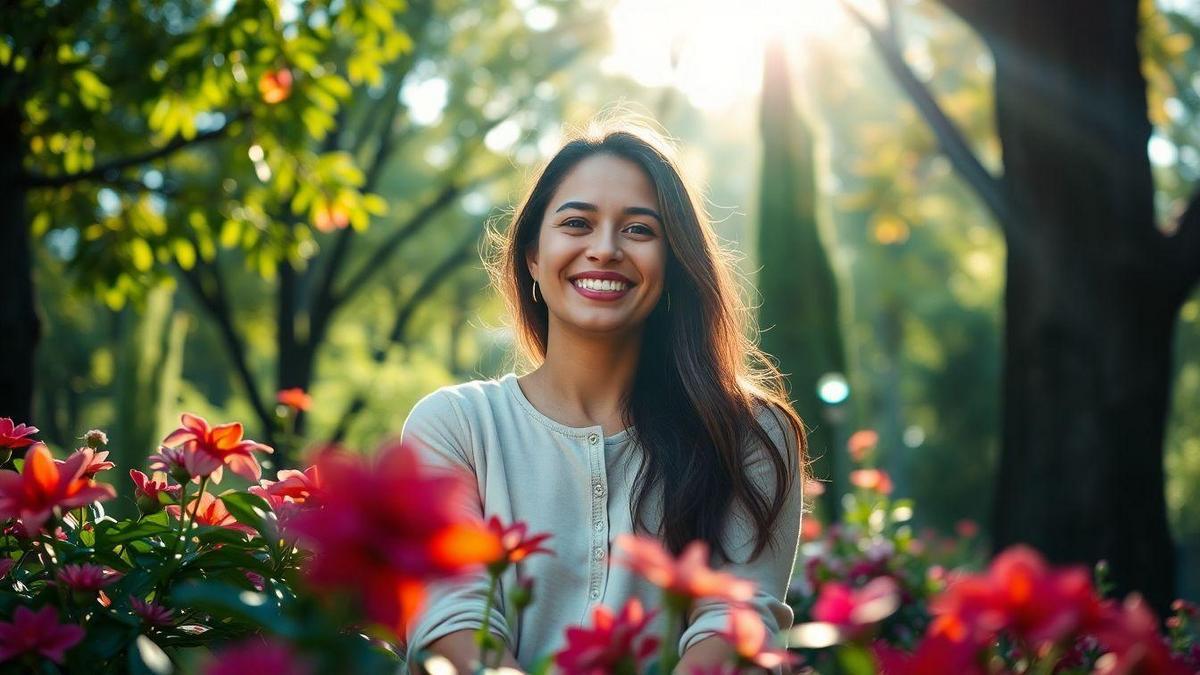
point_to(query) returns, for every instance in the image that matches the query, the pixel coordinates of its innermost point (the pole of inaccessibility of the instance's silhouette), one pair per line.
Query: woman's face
(601, 252)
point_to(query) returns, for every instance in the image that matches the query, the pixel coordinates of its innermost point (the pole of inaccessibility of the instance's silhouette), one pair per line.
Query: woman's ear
(531, 261)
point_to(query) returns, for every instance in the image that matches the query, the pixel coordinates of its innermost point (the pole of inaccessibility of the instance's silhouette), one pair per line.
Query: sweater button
(598, 490)
(593, 438)
(595, 594)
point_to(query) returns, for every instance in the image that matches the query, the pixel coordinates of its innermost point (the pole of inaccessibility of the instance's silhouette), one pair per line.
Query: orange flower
(862, 442)
(45, 485)
(810, 529)
(331, 218)
(294, 398)
(275, 85)
(213, 448)
(872, 479)
(689, 576)
(209, 510)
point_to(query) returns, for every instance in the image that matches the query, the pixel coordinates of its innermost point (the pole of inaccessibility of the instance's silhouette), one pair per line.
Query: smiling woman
(648, 411)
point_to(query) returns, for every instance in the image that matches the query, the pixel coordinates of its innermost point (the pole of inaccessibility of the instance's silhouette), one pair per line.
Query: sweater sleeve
(772, 570)
(437, 430)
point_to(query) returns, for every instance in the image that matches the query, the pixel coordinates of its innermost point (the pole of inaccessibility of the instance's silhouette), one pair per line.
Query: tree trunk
(20, 327)
(1089, 304)
(799, 314)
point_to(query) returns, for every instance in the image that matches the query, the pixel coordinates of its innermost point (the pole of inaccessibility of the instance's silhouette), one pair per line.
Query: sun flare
(711, 50)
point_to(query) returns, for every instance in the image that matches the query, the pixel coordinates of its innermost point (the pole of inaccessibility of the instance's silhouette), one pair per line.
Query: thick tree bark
(1090, 302)
(20, 326)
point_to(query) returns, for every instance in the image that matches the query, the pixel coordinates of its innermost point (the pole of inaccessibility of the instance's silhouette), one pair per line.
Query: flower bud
(522, 596)
(148, 505)
(96, 439)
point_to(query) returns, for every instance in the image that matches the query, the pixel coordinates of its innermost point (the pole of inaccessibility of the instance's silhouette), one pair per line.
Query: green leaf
(855, 660)
(249, 607)
(147, 658)
(247, 509)
(125, 531)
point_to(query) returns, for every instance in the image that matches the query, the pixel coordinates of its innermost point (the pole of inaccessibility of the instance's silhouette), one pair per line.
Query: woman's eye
(575, 223)
(640, 229)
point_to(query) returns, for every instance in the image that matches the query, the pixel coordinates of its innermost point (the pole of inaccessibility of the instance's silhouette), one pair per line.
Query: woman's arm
(460, 649)
(709, 652)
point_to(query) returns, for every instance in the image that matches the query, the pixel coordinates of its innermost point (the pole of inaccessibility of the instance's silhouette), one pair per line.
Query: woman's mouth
(601, 289)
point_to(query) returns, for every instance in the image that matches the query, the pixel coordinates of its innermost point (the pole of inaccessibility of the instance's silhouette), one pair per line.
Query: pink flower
(15, 436)
(385, 528)
(37, 633)
(852, 609)
(862, 442)
(261, 657)
(44, 485)
(87, 578)
(748, 635)
(216, 447)
(516, 545)
(1130, 635)
(872, 479)
(966, 528)
(813, 488)
(181, 464)
(211, 511)
(935, 654)
(6, 565)
(614, 644)
(93, 462)
(810, 528)
(151, 613)
(689, 576)
(294, 492)
(149, 492)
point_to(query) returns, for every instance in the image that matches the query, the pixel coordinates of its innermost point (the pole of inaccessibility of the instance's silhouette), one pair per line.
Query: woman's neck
(584, 378)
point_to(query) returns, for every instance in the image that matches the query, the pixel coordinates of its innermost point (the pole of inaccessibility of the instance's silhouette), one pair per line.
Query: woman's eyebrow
(629, 210)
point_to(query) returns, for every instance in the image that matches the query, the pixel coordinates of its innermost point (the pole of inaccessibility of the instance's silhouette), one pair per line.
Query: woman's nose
(605, 245)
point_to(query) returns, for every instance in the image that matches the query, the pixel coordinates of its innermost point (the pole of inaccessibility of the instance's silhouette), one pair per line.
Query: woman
(647, 399)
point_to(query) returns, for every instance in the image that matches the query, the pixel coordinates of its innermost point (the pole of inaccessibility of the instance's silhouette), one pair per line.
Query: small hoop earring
(535, 300)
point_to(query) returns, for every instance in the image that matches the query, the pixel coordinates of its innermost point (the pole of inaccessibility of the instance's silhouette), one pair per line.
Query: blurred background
(963, 225)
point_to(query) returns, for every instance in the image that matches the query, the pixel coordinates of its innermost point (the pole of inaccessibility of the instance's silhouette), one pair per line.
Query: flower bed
(320, 570)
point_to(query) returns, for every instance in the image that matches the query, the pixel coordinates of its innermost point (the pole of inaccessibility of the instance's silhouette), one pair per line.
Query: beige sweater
(576, 484)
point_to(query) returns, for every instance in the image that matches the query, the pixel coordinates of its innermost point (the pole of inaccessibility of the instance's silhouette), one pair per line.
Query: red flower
(748, 635)
(614, 644)
(861, 442)
(87, 578)
(384, 528)
(810, 529)
(151, 613)
(275, 85)
(37, 633)
(294, 398)
(209, 510)
(689, 576)
(43, 486)
(15, 437)
(294, 492)
(934, 654)
(216, 447)
(261, 657)
(966, 528)
(1130, 634)
(852, 609)
(93, 462)
(516, 546)
(875, 480)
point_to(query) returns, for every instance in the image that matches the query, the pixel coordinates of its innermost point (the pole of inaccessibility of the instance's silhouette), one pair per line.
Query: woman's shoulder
(461, 400)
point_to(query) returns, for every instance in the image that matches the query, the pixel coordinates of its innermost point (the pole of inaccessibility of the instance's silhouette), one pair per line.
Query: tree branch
(108, 170)
(429, 284)
(216, 302)
(1184, 247)
(989, 188)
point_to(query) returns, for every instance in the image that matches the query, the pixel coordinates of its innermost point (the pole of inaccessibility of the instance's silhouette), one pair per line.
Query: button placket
(599, 543)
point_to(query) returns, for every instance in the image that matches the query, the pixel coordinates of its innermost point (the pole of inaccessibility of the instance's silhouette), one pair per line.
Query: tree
(799, 314)
(1094, 286)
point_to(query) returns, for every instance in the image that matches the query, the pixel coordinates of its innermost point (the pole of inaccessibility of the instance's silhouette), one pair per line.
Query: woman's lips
(601, 295)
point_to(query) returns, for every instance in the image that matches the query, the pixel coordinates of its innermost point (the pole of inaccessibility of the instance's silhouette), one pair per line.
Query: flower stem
(668, 651)
(483, 637)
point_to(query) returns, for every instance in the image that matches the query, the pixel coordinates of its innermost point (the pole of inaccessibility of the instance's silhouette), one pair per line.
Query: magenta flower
(6, 565)
(852, 609)
(93, 462)
(151, 613)
(614, 643)
(216, 447)
(149, 491)
(261, 657)
(87, 578)
(15, 436)
(37, 633)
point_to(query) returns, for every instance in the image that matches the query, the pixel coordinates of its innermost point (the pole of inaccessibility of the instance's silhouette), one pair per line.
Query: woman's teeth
(601, 284)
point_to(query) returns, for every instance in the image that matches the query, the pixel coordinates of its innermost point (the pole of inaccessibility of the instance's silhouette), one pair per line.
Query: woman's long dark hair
(700, 379)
